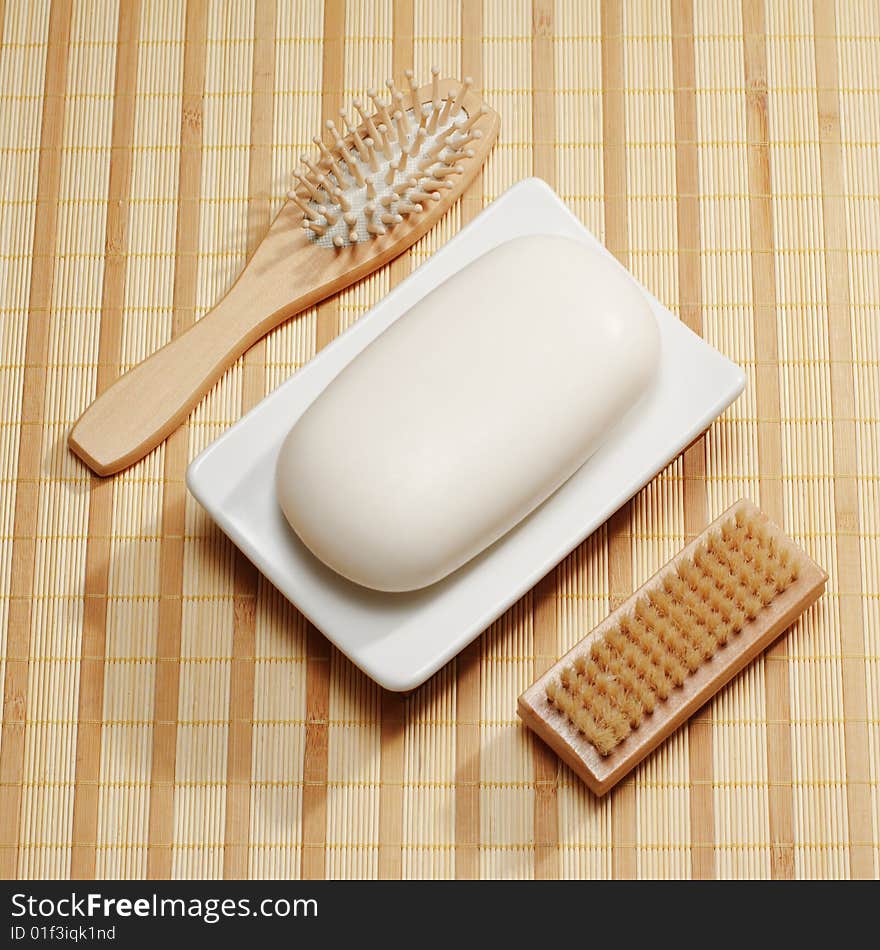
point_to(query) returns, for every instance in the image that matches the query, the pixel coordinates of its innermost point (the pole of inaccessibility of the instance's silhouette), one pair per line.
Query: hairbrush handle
(145, 405)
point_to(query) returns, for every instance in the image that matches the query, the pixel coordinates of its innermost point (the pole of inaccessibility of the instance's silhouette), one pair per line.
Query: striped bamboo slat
(165, 712)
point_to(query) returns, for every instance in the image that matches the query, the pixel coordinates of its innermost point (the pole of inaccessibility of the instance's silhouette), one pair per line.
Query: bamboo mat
(165, 711)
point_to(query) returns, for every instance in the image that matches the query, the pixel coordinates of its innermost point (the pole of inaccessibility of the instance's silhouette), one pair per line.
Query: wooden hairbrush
(652, 663)
(372, 189)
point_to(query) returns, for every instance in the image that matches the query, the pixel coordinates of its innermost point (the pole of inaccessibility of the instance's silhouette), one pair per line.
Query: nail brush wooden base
(602, 772)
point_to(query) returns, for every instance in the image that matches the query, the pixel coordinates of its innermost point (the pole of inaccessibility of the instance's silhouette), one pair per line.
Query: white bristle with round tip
(444, 171)
(415, 145)
(446, 111)
(330, 125)
(460, 155)
(336, 168)
(400, 106)
(433, 153)
(295, 198)
(304, 206)
(433, 121)
(367, 119)
(326, 155)
(444, 136)
(391, 133)
(380, 106)
(435, 87)
(385, 143)
(472, 119)
(303, 179)
(407, 207)
(357, 174)
(323, 183)
(344, 151)
(351, 223)
(329, 215)
(402, 127)
(370, 175)
(341, 199)
(310, 165)
(374, 226)
(459, 97)
(473, 136)
(372, 158)
(400, 188)
(423, 196)
(354, 132)
(432, 184)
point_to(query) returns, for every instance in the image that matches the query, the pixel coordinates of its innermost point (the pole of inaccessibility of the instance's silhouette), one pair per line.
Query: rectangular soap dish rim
(214, 494)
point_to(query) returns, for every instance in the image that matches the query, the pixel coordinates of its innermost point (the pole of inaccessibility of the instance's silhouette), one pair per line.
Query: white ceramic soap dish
(402, 639)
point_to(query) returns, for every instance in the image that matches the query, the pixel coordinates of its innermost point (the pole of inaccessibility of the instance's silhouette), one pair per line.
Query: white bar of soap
(467, 412)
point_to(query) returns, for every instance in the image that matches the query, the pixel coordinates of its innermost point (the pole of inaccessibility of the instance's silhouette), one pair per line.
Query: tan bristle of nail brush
(323, 239)
(662, 654)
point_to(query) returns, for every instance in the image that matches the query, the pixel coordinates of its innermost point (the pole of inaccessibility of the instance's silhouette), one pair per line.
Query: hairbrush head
(403, 160)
